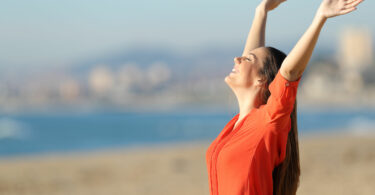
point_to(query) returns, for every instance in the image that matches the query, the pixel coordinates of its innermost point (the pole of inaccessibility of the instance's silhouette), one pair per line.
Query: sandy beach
(331, 164)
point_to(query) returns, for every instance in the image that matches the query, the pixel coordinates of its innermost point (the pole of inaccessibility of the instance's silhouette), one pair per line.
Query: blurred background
(124, 97)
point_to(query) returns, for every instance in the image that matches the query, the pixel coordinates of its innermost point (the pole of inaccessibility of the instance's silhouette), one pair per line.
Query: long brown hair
(285, 175)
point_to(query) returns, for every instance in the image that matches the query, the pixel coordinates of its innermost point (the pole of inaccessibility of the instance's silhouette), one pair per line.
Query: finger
(345, 11)
(349, 1)
(353, 3)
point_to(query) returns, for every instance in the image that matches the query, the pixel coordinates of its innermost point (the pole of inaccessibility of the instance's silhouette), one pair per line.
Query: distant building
(101, 80)
(354, 57)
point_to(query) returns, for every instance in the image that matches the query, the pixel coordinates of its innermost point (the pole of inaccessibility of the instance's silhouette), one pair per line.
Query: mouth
(235, 70)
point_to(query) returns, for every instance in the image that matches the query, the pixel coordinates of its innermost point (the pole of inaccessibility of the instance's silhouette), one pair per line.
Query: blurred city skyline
(155, 79)
(51, 34)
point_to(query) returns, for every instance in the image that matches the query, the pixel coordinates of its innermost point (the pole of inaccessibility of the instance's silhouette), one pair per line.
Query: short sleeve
(282, 98)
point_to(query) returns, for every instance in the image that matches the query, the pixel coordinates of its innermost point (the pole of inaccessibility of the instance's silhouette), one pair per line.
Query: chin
(228, 81)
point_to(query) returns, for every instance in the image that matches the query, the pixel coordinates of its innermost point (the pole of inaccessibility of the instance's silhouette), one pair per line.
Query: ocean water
(29, 134)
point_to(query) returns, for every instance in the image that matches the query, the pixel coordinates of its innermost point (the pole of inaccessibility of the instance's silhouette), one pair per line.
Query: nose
(237, 60)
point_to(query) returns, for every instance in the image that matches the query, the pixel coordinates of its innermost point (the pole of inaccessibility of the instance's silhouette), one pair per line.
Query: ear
(260, 83)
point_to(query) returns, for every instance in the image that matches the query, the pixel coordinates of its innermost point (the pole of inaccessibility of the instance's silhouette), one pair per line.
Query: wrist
(319, 14)
(261, 8)
(320, 17)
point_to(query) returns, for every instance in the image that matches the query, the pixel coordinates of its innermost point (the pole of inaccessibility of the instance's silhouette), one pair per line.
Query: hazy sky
(42, 32)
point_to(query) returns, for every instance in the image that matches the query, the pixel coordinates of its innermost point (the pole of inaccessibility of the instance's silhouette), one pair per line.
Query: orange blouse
(240, 161)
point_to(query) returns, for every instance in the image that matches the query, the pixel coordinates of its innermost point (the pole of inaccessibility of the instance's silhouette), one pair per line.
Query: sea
(46, 133)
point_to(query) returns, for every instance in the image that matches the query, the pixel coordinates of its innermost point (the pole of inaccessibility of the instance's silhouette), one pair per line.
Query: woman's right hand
(271, 4)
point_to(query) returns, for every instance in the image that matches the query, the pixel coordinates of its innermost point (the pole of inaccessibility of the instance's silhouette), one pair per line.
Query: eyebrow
(254, 56)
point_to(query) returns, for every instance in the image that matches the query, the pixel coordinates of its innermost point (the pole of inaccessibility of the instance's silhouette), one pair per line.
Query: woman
(257, 151)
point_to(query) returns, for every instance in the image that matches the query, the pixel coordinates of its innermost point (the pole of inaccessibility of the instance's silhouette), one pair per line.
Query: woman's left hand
(332, 8)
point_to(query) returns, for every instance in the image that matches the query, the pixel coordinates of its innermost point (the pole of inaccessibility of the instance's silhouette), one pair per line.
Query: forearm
(256, 36)
(297, 60)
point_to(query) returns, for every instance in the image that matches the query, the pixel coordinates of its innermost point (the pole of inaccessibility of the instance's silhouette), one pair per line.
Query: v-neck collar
(240, 123)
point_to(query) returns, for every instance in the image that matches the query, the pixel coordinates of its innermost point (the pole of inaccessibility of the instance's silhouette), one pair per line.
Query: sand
(331, 164)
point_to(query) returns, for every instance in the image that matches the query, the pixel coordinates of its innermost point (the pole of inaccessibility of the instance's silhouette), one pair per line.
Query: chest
(235, 146)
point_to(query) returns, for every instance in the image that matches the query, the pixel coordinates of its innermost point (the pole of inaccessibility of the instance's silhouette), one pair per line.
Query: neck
(247, 100)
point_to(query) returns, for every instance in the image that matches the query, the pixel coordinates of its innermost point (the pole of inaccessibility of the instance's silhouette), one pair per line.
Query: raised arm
(296, 62)
(256, 36)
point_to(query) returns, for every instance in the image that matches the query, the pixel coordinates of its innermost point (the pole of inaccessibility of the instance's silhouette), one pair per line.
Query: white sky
(47, 33)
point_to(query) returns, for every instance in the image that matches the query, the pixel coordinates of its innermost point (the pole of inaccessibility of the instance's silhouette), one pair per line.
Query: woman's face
(245, 72)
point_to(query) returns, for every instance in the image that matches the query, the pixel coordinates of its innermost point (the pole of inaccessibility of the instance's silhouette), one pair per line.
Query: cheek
(249, 76)
(247, 72)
